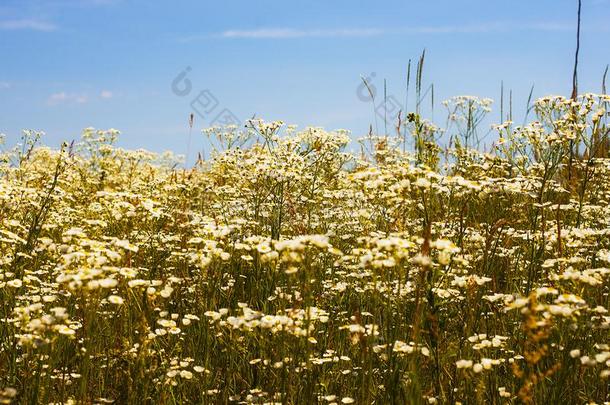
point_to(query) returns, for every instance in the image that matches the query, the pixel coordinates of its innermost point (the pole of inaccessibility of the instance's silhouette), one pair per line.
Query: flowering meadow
(301, 267)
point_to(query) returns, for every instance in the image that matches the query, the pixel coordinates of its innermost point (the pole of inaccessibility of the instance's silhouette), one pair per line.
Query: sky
(143, 66)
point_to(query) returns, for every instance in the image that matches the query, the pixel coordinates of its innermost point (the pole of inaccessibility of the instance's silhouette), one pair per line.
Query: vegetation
(287, 269)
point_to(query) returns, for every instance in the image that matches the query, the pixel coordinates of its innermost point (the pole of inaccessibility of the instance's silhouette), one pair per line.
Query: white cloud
(63, 97)
(5, 85)
(27, 24)
(280, 33)
(491, 27)
(96, 2)
(102, 2)
(552, 26)
(106, 94)
(488, 27)
(59, 4)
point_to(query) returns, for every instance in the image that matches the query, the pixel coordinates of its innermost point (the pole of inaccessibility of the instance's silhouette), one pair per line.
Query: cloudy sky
(143, 66)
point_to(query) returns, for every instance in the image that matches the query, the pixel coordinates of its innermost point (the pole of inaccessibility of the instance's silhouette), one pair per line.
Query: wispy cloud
(508, 26)
(63, 98)
(279, 33)
(553, 26)
(5, 85)
(101, 2)
(27, 24)
(488, 27)
(85, 3)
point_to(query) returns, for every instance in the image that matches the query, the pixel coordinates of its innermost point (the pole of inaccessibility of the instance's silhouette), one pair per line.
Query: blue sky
(70, 64)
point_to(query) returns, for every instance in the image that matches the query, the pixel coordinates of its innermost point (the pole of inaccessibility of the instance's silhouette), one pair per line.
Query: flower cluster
(286, 269)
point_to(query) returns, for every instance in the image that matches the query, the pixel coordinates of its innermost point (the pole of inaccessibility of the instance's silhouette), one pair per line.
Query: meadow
(301, 267)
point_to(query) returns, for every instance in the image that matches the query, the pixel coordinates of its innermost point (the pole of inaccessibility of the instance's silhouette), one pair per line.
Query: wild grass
(288, 270)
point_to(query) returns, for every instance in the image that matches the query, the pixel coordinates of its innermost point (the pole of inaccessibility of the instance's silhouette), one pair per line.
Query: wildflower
(115, 299)
(64, 330)
(108, 283)
(463, 363)
(574, 353)
(15, 283)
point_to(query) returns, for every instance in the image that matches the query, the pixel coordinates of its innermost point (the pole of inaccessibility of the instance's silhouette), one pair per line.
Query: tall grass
(287, 270)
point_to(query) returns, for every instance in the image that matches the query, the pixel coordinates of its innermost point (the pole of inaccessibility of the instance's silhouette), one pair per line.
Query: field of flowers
(286, 269)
